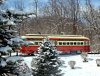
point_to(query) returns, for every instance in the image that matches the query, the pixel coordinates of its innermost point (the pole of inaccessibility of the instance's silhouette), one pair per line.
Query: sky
(29, 3)
(96, 2)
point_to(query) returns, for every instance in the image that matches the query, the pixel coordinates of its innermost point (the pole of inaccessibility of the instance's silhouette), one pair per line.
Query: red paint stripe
(31, 49)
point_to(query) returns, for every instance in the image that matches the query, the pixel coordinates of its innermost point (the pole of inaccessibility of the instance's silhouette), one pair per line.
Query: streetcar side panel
(62, 43)
(71, 45)
(32, 47)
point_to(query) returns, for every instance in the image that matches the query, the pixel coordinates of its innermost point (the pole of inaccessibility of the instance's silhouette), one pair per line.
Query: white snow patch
(81, 68)
(28, 61)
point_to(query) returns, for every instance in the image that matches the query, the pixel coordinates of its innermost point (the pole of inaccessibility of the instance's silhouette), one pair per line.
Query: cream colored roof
(69, 37)
(55, 36)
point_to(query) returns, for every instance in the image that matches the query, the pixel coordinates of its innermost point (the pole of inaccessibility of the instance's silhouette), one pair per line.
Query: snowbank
(81, 68)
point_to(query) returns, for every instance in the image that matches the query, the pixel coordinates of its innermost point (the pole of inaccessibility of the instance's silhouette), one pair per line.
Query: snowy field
(81, 68)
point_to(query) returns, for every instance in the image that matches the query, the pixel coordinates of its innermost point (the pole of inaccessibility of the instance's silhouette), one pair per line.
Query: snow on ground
(81, 68)
(28, 61)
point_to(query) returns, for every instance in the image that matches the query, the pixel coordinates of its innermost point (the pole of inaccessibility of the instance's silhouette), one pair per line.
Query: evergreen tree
(11, 42)
(46, 61)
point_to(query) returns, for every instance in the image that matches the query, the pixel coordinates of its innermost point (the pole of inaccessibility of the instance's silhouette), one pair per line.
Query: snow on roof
(81, 68)
(69, 37)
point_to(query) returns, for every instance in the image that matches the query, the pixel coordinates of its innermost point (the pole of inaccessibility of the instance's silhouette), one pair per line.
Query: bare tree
(92, 22)
(19, 5)
(36, 8)
(74, 13)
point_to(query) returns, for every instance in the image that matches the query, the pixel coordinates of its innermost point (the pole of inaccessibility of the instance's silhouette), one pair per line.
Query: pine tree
(46, 61)
(11, 42)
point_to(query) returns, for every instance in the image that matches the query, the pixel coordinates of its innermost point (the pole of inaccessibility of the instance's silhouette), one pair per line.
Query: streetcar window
(71, 43)
(60, 43)
(87, 43)
(74, 43)
(84, 43)
(78, 43)
(64, 43)
(81, 43)
(67, 43)
(36, 43)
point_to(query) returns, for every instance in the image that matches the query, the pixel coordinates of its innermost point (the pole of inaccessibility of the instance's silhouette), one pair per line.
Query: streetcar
(63, 43)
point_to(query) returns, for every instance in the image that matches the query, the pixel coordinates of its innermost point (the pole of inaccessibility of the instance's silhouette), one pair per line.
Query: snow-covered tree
(46, 61)
(11, 42)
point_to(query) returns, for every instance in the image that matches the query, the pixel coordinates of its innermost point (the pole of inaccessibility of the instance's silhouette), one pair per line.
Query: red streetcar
(63, 43)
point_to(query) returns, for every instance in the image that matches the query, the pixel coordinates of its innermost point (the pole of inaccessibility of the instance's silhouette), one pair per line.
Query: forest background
(70, 17)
